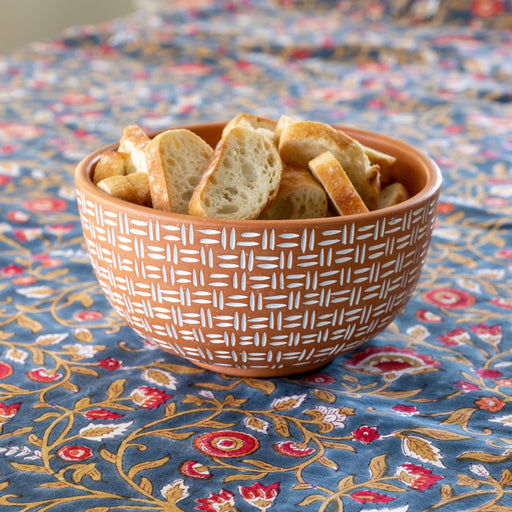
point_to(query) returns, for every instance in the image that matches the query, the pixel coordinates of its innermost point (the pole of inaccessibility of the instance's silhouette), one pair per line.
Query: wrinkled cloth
(93, 418)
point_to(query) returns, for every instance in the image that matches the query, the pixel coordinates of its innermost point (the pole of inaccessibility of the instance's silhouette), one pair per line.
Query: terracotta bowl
(261, 298)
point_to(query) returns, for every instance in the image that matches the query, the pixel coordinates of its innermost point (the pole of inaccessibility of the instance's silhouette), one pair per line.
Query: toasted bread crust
(111, 163)
(301, 141)
(342, 193)
(394, 193)
(261, 124)
(241, 179)
(176, 160)
(133, 142)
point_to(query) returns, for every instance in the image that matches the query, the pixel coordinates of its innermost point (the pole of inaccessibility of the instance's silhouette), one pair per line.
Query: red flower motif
(449, 298)
(504, 253)
(102, 414)
(292, 449)
(489, 333)
(43, 375)
(260, 496)
(8, 411)
(391, 362)
(370, 497)
(24, 280)
(416, 476)
(109, 364)
(12, 270)
(466, 386)
(487, 8)
(5, 370)
(18, 216)
(74, 453)
(427, 316)
(486, 373)
(365, 434)
(148, 397)
(490, 403)
(45, 204)
(320, 379)
(88, 316)
(194, 469)
(226, 444)
(4, 180)
(453, 338)
(445, 208)
(502, 302)
(405, 410)
(221, 502)
(506, 383)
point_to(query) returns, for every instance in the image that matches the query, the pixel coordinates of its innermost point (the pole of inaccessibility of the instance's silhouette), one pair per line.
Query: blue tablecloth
(94, 419)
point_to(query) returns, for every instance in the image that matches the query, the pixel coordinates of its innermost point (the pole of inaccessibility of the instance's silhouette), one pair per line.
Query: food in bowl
(260, 168)
(261, 297)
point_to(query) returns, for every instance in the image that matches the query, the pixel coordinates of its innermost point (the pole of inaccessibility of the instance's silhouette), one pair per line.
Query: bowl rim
(83, 181)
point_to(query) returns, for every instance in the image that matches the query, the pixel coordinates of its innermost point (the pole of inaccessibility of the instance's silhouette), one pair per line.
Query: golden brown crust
(342, 193)
(303, 141)
(111, 163)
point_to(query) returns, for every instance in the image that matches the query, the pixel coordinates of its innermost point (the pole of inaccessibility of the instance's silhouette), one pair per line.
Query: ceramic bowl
(261, 298)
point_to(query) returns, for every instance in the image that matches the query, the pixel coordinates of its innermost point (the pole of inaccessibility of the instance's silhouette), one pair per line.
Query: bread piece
(176, 160)
(140, 182)
(120, 187)
(281, 124)
(261, 124)
(299, 196)
(133, 142)
(111, 163)
(241, 179)
(384, 161)
(337, 184)
(301, 141)
(392, 194)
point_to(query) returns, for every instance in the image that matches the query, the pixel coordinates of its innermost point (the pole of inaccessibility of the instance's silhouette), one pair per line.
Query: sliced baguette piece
(300, 196)
(302, 141)
(384, 161)
(260, 124)
(392, 194)
(242, 178)
(140, 182)
(134, 142)
(283, 121)
(176, 160)
(118, 186)
(111, 163)
(342, 193)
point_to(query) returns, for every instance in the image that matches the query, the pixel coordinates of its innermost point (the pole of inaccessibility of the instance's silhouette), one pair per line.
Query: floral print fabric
(420, 418)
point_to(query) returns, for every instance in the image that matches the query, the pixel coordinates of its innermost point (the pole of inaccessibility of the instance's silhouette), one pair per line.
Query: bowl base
(260, 372)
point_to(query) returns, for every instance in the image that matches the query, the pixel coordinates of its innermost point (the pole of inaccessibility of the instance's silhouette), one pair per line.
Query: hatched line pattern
(283, 298)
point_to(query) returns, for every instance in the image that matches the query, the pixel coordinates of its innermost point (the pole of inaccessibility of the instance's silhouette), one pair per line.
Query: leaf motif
(160, 377)
(346, 483)
(328, 463)
(506, 478)
(148, 464)
(178, 436)
(442, 435)
(423, 450)
(70, 386)
(485, 457)
(35, 440)
(53, 485)
(324, 396)
(146, 485)
(459, 417)
(399, 394)
(82, 370)
(266, 386)
(29, 323)
(215, 424)
(378, 466)
(281, 426)
(98, 432)
(231, 401)
(28, 468)
(115, 390)
(81, 470)
(83, 334)
(468, 481)
(253, 476)
(108, 455)
(384, 486)
(50, 339)
(446, 492)
(261, 464)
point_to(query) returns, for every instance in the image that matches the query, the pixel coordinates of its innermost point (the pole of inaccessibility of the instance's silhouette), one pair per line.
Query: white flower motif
(288, 402)
(16, 355)
(479, 469)
(506, 421)
(206, 394)
(418, 331)
(36, 292)
(332, 415)
(175, 491)
(82, 350)
(98, 432)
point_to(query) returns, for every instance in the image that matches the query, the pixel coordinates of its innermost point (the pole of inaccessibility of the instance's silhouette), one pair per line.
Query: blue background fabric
(94, 419)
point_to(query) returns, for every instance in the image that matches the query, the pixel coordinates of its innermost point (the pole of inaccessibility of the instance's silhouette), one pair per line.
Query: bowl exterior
(255, 298)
